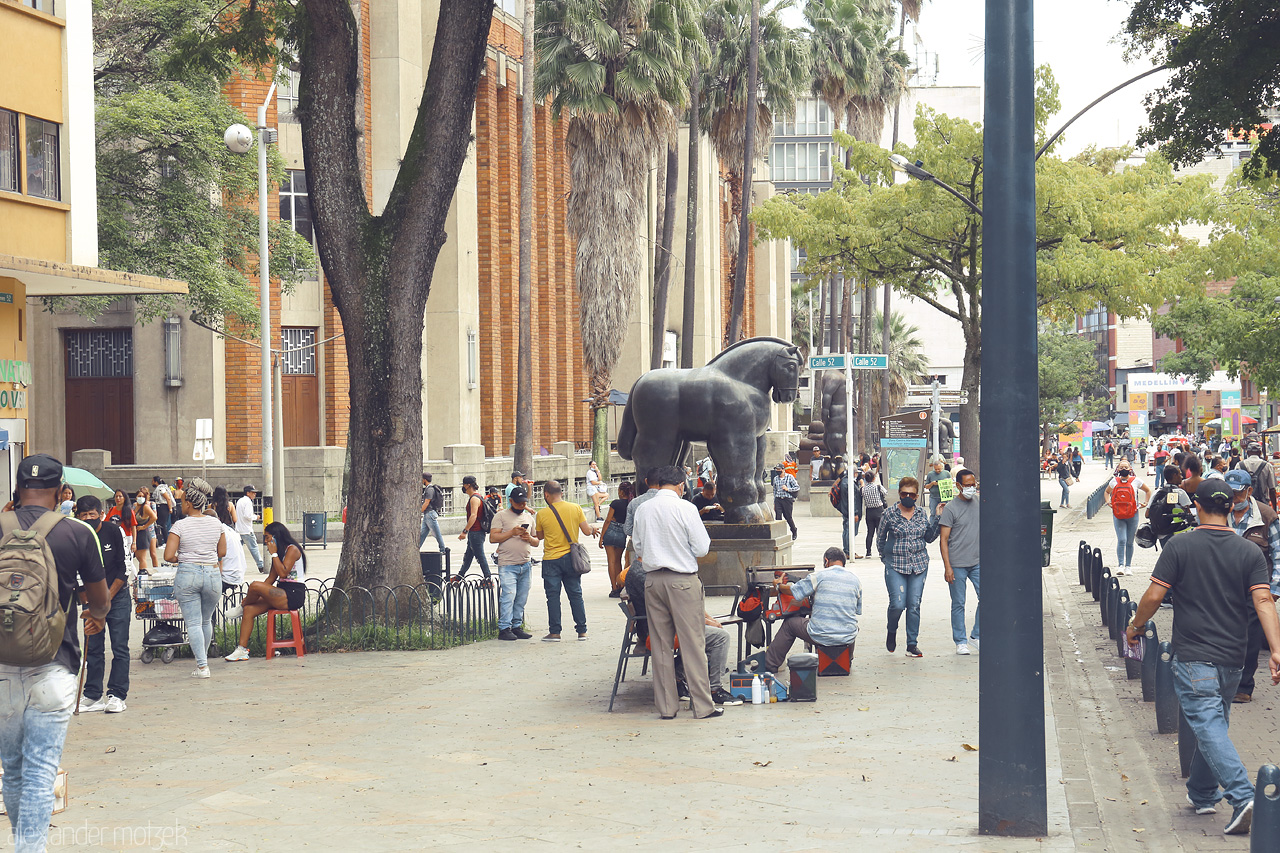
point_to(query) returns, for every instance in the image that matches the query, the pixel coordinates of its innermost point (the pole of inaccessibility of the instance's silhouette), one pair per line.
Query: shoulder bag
(578, 553)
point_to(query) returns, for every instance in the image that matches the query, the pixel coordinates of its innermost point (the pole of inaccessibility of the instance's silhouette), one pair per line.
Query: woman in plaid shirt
(903, 538)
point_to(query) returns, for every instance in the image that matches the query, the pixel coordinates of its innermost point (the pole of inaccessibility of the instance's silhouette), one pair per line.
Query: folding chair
(632, 647)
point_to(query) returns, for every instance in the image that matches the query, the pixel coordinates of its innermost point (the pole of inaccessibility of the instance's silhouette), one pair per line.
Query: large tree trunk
(662, 279)
(691, 227)
(524, 354)
(379, 268)
(739, 293)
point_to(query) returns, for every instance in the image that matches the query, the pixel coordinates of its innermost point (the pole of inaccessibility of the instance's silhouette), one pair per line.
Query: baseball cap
(518, 496)
(1214, 495)
(515, 474)
(250, 488)
(40, 471)
(1239, 480)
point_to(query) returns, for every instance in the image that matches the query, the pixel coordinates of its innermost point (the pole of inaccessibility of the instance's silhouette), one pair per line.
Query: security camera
(238, 138)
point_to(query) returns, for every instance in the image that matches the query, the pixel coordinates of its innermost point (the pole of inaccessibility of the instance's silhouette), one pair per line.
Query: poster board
(904, 448)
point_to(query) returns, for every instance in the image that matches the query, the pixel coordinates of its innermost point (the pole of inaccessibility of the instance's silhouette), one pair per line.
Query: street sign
(203, 451)
(834, 361)
(870, 361)
(204, 428)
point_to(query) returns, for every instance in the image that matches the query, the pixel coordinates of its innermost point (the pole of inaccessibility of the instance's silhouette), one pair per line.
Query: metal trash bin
(315, 529)
(1046, 533)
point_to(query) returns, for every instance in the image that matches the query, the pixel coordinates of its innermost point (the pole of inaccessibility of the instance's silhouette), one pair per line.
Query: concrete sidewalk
(501, 744)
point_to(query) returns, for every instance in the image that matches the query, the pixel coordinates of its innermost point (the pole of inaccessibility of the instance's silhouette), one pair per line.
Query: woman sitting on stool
(282, 590)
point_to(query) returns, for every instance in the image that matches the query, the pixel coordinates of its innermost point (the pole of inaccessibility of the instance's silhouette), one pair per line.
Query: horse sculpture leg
(738, 481)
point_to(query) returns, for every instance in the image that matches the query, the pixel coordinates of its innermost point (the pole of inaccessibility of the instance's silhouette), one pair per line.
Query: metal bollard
(1080, 558)
(1108, 603)
(1167, 708)
(1265, 834)
(1100, 574)
(1119, 610)
(1150, 645)
(1132, 668)
(1101, 595)
(1186, 744)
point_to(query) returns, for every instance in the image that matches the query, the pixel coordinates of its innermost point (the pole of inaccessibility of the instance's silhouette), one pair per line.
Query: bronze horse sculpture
(726, 404)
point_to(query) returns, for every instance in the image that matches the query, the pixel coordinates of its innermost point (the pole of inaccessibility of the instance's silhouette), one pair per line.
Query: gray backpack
(31, 619)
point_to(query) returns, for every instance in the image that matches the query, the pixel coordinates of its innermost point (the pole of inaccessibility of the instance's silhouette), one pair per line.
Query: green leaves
(1071, 380)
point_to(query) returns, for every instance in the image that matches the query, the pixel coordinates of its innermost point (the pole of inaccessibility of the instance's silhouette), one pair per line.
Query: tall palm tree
(783, 73)
(907, 362)
(618, 70)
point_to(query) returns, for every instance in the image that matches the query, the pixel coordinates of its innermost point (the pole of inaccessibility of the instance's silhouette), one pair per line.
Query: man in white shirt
(669, 537)
(245, 517)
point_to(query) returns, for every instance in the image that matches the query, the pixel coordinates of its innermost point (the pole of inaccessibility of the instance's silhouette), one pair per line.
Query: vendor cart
(155, 606)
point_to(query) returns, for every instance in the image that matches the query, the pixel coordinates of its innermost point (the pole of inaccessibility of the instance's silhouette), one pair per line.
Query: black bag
(437, 499)
(163, 634)
(580, 556)
(485, 515)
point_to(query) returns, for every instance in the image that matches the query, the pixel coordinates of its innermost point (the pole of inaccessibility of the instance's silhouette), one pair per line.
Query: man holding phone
(510, 532)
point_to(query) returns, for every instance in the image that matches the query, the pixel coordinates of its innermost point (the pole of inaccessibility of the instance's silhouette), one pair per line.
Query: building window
(287, 97)
(1159, 401)
(801, 161)
(42, 5)
(812, 118)
(295, 208)
(42, 159)
(99, 353)
(300, 352)
(9, 151)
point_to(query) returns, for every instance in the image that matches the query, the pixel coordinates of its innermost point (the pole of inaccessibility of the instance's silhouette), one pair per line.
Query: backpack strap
(9, 523)
(44, 524)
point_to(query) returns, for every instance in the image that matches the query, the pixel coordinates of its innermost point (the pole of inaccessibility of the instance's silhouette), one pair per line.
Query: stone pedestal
(738, 547)
(819, 504)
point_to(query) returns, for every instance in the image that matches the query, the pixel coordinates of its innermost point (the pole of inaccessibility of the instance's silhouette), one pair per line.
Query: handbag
(579, 556)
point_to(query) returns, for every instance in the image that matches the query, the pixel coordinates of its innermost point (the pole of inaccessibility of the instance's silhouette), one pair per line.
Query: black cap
(250, 488)
(40, 471)
(515, 474)
(1215, 495)
(518, 495)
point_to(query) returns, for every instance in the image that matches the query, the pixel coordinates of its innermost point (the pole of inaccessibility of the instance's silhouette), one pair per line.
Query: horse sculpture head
(784, 375)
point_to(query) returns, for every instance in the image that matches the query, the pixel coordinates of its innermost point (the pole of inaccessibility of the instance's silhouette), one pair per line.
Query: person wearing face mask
(1257, 522)
(903, 536)
(111, 544)
(144, 545)
(1122, 496)
(959, 543)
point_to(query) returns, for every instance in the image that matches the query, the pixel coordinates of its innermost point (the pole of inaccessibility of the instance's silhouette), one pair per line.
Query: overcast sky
(1078, 39)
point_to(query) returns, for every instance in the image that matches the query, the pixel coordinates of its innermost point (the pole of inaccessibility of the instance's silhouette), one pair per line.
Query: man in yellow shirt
(557, 526)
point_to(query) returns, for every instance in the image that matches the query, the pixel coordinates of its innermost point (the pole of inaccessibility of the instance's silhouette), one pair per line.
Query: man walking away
(785, 489)
(40, 690)
(245, 517)
(111, 548)
(432, 506)
(1214, 575)
(473, 531)
(836, 598)
(1170, 511)
(1257, 522)
(510, 531)
(165, 506)
(874, 498)
(669, 537)
(1264, 479)
(959, 546)
(558, 527)
(1109, 450)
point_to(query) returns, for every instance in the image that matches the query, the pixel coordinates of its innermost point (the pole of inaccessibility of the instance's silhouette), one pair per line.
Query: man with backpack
(1122, 496)
(479, 518)
(1262, 476)
(432, 506)
(1109, 450)
(1170, 511)
(839, 497)
(41, 553)
(1257, 522)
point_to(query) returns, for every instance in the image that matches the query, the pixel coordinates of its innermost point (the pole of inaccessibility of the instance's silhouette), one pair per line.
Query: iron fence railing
(383, 618)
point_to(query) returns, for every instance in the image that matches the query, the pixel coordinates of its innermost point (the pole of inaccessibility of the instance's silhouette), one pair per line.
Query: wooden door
(301, 394)
(99, 392)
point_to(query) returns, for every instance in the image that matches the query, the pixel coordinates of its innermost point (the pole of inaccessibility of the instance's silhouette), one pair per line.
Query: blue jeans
(96, 651)
(35, 707)
(957, 601)
(557, 573)
(251, 541)
(475, 549)
(430, 526)
(198, 589)
(1159, 474)
(847, 552)
(1205, 692)
(905, 592)
(1126, 529)
(1066, 493)
(512, 595)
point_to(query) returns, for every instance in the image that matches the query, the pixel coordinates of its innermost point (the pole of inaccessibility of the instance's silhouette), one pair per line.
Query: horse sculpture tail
(626, 433)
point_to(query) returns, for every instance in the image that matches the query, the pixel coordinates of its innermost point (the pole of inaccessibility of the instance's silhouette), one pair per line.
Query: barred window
(99, 353)
(43, 178)
(9, 151)
(300, 351)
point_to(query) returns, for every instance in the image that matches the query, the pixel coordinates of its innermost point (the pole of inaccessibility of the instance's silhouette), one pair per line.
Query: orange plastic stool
(296, 643)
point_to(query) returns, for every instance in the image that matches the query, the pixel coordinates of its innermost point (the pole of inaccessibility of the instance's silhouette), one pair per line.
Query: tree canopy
(1068, 373)
(1225, 56)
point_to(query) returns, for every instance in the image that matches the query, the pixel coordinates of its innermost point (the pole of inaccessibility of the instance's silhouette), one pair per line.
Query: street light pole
(264, 319)
(1012, 793)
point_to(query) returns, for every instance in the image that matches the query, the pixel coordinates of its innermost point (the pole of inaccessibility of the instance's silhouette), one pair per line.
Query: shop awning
(49, 278)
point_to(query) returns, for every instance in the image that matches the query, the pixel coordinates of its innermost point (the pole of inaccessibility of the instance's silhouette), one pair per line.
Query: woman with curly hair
(198, 544)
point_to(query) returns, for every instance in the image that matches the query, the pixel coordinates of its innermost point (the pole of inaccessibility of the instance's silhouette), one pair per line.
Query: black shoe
(521, 634)
(682, 690)
(891, 642)
(664, 717)
(913, 651)
(616, 593)
(506, 634)
(1240, 821)
(723, 697)
(719, 712)
(793, 536)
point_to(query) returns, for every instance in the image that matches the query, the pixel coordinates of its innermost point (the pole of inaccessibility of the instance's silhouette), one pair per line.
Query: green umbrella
(86, 483)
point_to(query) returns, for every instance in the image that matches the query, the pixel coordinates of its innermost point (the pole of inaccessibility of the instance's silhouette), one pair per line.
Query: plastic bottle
(773, 689)
(757, 691)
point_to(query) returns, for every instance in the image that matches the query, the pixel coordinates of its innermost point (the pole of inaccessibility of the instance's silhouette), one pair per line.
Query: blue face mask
(1241, 507)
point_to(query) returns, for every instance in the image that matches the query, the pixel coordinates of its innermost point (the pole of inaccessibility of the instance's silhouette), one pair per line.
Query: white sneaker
(962, 648)
(88, 705)
(974, 644)
(241, 653)
(200, 672)
(115, 704)
(233, 613)
(1201, 810)
(1120, 572)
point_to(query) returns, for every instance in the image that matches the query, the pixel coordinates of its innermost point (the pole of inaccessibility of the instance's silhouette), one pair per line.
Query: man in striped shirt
(835, 595)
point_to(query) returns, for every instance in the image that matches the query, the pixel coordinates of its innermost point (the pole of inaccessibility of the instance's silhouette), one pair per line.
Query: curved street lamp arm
(1052, 139)
(956, 193)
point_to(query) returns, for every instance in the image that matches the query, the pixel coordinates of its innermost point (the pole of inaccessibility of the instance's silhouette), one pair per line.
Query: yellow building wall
(31, 62)
(15, 374)
(33, 229)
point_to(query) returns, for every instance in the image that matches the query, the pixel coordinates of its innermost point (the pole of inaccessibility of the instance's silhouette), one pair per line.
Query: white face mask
(969, 492)
(141, 499)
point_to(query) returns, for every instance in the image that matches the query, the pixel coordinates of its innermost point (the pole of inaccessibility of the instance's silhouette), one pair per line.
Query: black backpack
(1168, 518)
(486, 514)
(437, 499)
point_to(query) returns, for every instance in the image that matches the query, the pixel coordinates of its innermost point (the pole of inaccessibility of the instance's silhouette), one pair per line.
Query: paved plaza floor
(500, 745)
